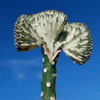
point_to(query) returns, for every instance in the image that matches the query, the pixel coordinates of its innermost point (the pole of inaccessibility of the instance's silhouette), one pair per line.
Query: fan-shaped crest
(51, 29)
(37, 29)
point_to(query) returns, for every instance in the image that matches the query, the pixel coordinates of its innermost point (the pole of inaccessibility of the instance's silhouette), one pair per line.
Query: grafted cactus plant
(51, 31)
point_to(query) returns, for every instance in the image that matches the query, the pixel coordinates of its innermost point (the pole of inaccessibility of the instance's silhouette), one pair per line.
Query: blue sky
(20, 73)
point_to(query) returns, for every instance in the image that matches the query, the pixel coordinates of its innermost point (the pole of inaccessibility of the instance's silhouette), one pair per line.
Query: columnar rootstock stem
(48, 91)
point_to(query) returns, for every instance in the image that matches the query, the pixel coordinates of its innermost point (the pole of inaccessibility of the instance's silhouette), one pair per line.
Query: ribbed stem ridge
(48, 91)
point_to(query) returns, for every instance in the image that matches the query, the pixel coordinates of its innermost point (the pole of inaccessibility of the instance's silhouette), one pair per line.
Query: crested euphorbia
(51, 31)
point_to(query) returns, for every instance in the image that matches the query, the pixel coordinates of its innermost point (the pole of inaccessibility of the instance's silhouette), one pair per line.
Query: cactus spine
(48, 91)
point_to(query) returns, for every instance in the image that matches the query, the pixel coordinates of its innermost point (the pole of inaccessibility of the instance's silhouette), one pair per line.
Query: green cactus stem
(48, 91)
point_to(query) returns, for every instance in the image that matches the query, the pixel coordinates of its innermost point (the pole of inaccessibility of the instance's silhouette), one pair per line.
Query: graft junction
(51, 58)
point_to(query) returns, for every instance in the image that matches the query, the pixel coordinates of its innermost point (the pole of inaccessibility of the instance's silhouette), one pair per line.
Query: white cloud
(23, 62)
(94, 94)
(39, 75)
(22, 69)
(20, 76)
